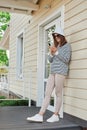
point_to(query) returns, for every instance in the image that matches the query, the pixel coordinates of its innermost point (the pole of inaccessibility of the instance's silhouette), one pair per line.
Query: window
(20, 53)
(48, 39)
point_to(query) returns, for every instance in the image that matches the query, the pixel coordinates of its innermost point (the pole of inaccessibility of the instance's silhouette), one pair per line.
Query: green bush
(2, 97)
(14, 103)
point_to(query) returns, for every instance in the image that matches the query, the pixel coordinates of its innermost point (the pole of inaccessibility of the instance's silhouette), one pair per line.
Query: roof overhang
(19, 6)
(4, 43)
(16, 6)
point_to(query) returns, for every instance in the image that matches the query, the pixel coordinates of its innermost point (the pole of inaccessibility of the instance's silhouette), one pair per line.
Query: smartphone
(49, 44)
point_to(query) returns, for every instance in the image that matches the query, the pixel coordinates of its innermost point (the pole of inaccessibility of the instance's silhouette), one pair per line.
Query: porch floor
(14, 118)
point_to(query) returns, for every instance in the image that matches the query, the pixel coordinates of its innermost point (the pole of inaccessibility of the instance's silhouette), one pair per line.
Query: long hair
(63, 40)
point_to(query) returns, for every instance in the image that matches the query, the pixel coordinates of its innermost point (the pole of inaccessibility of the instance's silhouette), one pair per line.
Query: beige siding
(75, 90)
(18, 23)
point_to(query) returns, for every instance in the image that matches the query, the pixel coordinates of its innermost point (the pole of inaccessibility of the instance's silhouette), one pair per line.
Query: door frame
(40, 51)
(52, 23)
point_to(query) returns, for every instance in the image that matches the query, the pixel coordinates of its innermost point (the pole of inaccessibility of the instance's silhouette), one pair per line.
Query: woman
(59, 57)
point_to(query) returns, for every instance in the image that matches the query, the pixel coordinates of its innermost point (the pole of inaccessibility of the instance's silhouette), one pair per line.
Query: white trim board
(57, 13)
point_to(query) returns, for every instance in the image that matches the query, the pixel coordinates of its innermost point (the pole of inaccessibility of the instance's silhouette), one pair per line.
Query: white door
(48, 30)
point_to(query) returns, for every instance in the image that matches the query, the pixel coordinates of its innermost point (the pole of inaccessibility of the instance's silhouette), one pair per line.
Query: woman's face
(57, 37)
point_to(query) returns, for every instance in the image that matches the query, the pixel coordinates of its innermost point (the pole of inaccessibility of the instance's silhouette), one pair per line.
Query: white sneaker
(53, 118)
(36, 118)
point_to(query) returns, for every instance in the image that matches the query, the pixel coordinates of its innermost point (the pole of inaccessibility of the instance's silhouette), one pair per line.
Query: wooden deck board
(14, 118)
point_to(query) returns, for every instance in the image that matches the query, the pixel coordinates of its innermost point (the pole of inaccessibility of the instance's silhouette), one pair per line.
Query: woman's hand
(53, 49)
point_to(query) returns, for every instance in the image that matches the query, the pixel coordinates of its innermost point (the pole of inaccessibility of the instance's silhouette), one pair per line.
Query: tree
(3, 58)
(4, 22)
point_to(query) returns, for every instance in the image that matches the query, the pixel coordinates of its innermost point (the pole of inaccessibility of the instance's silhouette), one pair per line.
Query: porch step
(64, 128)
(14, 118)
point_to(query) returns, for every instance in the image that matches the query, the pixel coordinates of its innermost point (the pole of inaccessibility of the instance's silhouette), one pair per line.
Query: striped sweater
(60, 62)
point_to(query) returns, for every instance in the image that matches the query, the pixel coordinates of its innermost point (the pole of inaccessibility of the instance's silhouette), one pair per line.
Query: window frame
(19, 76)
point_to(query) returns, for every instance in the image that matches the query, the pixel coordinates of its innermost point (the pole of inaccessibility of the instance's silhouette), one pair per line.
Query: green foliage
(4, 17)
(3, 27)
(3, 58)
(4, 21)
(13, 102)
(2, 97)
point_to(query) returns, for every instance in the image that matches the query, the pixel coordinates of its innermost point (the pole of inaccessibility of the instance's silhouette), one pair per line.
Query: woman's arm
(51, 54)
(64, 53)
(50, 57)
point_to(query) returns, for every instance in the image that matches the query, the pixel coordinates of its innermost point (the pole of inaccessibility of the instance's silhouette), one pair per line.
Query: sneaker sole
(34, 121)
(52, 122)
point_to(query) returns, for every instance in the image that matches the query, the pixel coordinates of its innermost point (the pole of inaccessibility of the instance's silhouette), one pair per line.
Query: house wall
(75, 90)
(17, 25)
(75, 97)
